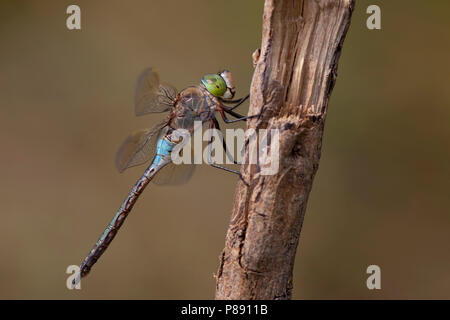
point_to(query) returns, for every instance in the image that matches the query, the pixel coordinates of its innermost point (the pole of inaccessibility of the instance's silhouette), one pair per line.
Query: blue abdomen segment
(163, 149)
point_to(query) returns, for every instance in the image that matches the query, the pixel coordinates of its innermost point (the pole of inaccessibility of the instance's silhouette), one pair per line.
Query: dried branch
(294, 76)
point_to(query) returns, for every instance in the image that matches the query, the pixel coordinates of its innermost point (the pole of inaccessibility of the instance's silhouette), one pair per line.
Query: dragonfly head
(229, 93)
(219, 85)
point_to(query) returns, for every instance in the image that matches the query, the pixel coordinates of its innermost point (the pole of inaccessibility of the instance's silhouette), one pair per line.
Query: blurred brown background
(380, 195)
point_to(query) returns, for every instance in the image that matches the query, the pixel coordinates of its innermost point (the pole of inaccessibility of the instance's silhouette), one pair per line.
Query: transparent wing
(174, 174)
(139, 147)
(151, 95)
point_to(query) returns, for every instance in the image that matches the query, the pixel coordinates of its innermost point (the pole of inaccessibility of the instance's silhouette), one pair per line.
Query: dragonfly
(214, 94)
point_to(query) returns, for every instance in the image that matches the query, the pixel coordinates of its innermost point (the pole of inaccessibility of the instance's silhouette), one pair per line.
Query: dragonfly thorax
(194, 103)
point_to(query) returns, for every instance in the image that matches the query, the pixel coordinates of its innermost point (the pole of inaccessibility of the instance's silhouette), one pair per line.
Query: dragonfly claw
(243, 180)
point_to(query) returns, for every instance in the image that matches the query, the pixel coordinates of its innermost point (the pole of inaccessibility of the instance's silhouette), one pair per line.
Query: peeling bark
(293, 79)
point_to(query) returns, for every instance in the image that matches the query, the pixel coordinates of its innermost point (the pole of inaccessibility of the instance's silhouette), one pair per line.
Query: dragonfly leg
(224, 144)
(212, 125)
(239, 117)
(238, 102)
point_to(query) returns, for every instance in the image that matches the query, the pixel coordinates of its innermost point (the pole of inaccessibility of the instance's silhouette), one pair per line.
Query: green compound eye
(215, 84)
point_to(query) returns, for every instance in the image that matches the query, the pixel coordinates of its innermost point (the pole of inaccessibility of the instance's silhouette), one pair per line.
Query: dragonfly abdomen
(161, 159)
